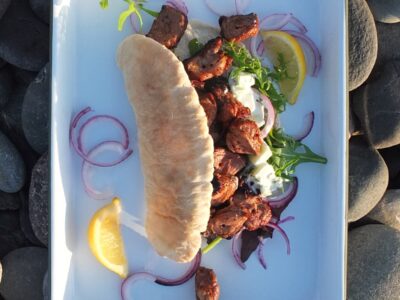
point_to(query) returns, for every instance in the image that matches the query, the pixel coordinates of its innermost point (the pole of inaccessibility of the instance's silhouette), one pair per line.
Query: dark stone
(392, 160)
(388, 209)
(368, 178)
(394, 183)
(22, 76)
(24, 40)
(6, 86)
(35, 112)
(39, 199)
(2, 62)
(12, 167)
(9, 201)
(42, 9)
(3, 6)
(9, 220)
(11, 240)
(373, 263)
(386, 11)
(377, 105)
(363, 41)
(25, 221)
(23, 273)
(46, 286)
(388, 43)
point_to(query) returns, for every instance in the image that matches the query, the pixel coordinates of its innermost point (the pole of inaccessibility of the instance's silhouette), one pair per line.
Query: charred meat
(209, 105)
(224, 188)
(207, 287)
(168, 27)
(227, 221)
(239, 28)
(244, 137)
(210, 62)
(230, 108)
(218, 86)
(227, 162)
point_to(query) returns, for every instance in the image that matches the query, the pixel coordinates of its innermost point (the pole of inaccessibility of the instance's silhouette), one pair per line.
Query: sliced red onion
(87, 168)
(134, 20)
(284, 198)
(236, 249)
(160, 280)
(253, 46)
(260, 48)
(307, 127)
(260, 253)
(179, 5)
(287, 219)
(315, 59)
(270, 116)
(275, 21)
(283, 233)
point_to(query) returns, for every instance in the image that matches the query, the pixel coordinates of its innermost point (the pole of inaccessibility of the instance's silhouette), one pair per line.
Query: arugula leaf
(287, 153)
(266, 80)
(195, 46)
(103, 4)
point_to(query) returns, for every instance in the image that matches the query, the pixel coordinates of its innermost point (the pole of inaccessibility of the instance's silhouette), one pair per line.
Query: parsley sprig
(134, 7)
(287, 153)
(266, 80)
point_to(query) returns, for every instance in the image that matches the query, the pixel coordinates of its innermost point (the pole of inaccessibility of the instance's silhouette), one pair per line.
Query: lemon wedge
(105, 238)
(279, 43)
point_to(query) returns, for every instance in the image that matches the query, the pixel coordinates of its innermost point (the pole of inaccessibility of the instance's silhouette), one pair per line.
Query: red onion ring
(260, 253)
(287, 219)
(179, 5)
(260, 48)
(161, 280)
(308, 126)
(309, 46)
(86, 167)
(236, 251)
(269, 122)
(284, 198)
(283, 233)
(133, 19)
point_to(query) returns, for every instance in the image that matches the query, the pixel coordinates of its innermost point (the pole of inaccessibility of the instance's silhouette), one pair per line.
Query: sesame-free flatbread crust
(176, 149)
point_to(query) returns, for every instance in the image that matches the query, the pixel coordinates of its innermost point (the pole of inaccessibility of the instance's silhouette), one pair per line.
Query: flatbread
(175, 147)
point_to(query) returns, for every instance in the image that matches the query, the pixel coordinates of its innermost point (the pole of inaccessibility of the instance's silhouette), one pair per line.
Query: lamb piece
(224, 188)
(168, 27)
(227, 222)
(227, 162)
(210, 62)
(219, 86)
(230, 108)
(216, 132)
(238, 28)
(259, 213)
(207, 287)
(209, 104)
(244, 137)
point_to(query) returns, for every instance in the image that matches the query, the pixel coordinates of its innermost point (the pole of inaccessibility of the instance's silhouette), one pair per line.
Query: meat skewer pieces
(244, 137)
(227, 162)
(207, 287)
(239, 28)
(224, 188)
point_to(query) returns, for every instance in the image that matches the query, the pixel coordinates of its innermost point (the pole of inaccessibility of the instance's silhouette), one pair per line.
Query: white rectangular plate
(85, 39)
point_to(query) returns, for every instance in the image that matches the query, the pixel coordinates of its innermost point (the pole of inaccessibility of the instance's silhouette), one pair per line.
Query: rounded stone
(35, 112)
(23, 273)
(6, 86)
(392, 159)
(12, 167)
(9, 201)
(373, 263)
(24, 39)
(9, 220)
(46, 286)
(388, 209)
(11, 240)
(2, 62)
(39, 199)
(11, 113)
(4, 6)
(388, 43)
(363, 41)
(377, 105)
(23, 76)
(386, 11)
(25, 221)
(42, 9)
(368, 178)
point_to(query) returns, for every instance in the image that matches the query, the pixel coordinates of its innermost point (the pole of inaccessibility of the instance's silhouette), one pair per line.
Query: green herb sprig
(287, 153)
(134, 7)
(265, 78)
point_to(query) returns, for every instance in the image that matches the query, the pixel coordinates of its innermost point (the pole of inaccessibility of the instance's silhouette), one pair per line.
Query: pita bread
(175, 147)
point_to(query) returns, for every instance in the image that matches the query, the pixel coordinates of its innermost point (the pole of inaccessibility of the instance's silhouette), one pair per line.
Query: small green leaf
(195, 46)
(211, 245)
(125, 14)
(149, 11)
(103, 4)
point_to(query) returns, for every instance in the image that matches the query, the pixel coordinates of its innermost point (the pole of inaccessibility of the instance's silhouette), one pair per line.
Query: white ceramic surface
(85, 40)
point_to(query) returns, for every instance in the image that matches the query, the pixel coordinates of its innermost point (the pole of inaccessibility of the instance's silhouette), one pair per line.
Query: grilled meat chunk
(227, 162)
(216, 132)
(244, 137)
(168, 27)
(224, 188)
(227, 221)
(210, 62)
(207, 287)
(230, 108)
(209, 105)
(219, 86)
(238, 28)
